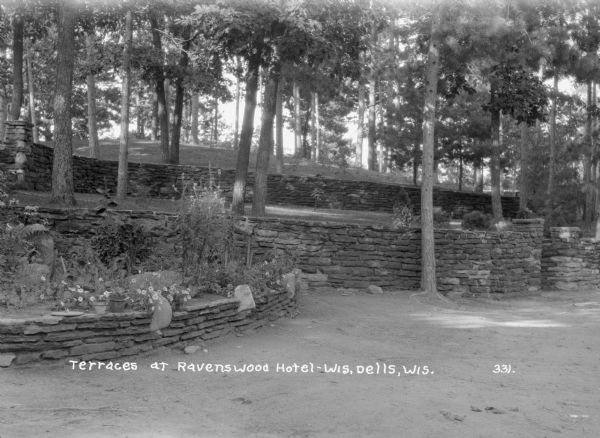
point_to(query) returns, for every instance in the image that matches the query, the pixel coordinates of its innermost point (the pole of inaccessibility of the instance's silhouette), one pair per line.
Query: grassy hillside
(147, 151)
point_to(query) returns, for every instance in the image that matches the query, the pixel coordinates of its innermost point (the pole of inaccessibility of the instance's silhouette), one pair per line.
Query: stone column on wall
(19, 139)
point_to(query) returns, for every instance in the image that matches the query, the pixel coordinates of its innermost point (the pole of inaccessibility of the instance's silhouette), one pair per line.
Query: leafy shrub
(525, 213)
(440, 218)
(206, 230)
(121, 243)
(402, 216)
(402, 212)
(476, 220)
(401, 198)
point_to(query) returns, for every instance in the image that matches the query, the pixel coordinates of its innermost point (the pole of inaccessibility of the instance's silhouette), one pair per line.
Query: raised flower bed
(113, 335)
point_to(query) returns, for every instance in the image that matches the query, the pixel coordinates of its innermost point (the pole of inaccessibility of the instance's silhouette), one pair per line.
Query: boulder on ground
(6, 359)
(243, 294)
(289, 282)
(374, 290)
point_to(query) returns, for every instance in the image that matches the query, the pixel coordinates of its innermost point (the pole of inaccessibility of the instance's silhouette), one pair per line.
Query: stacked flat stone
(570, 262)
(165, 181)
(116, 335)
(19, 140)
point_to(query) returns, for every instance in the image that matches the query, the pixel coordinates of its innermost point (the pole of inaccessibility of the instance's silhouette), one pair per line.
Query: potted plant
(177, 296)
(117, 300)
(100, 302)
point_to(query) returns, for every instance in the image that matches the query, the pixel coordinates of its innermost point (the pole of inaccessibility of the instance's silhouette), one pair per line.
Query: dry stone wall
(355, 256)
(161, 180)
(116, 335)
(570, 262)
(350, 256)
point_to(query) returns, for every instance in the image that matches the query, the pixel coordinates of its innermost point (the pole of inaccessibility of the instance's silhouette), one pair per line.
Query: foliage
(264, 274)
(440, 218)
(525, 213)
(121, 243)
(72, 297)
(205, 230)
(402, 215)
(476, 220)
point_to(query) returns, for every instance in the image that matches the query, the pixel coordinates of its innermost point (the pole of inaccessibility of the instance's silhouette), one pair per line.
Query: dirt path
(552, 390)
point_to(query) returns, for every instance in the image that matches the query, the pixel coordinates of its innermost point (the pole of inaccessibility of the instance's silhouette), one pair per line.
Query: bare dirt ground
(551, 343)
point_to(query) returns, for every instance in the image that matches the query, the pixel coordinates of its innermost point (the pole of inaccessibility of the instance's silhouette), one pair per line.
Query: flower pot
(116, 305)
(100, 308)
(178, 303)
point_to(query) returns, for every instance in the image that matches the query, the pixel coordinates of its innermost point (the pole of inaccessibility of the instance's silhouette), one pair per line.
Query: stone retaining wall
(570, 262)
(159, 180)
(350, 255)
(115, 335)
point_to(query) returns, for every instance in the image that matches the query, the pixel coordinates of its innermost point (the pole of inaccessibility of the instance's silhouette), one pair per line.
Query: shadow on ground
(349, 366)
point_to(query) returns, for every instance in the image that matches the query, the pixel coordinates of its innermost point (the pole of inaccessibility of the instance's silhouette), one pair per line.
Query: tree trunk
(279, 127)
(316, 147)
(62, 167)
(91, 97)
(215, 124)
(298, 145)
(360, 125)
(523, 180)
(495, 165)
(31, 89)
(162, 108)
(265, 142)
(460, 167)
(415, 164)
(372, 127)
(305, 143)
(238, 93)
(243, 158)
(380, 146)
(17, 84)
(154, 129)
(195, 109)
(480, 178)
(140, 113)
(125, 99)
(587, 160)
(552, 163)
(428, 274)
(179, 94)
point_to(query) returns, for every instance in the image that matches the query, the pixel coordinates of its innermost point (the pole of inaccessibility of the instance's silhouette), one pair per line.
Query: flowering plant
(101, 298)
(74, 297)
(145, 299)
(173, 293)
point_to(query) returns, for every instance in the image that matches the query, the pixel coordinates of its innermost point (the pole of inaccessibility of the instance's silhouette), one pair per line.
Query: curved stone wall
(160, 180)
(115, 335)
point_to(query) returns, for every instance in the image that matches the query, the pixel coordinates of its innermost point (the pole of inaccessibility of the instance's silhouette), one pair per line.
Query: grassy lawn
(92, 201)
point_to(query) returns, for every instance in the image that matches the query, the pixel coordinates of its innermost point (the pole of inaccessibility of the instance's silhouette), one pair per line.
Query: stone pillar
(19, 140)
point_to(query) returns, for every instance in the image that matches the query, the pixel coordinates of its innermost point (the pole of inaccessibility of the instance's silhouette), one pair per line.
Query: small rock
(289, 282)
(452, 417)
(494, 410)
(244, 295)
(374, 290)
(475, 409)
(191, 349)
(6, 359)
